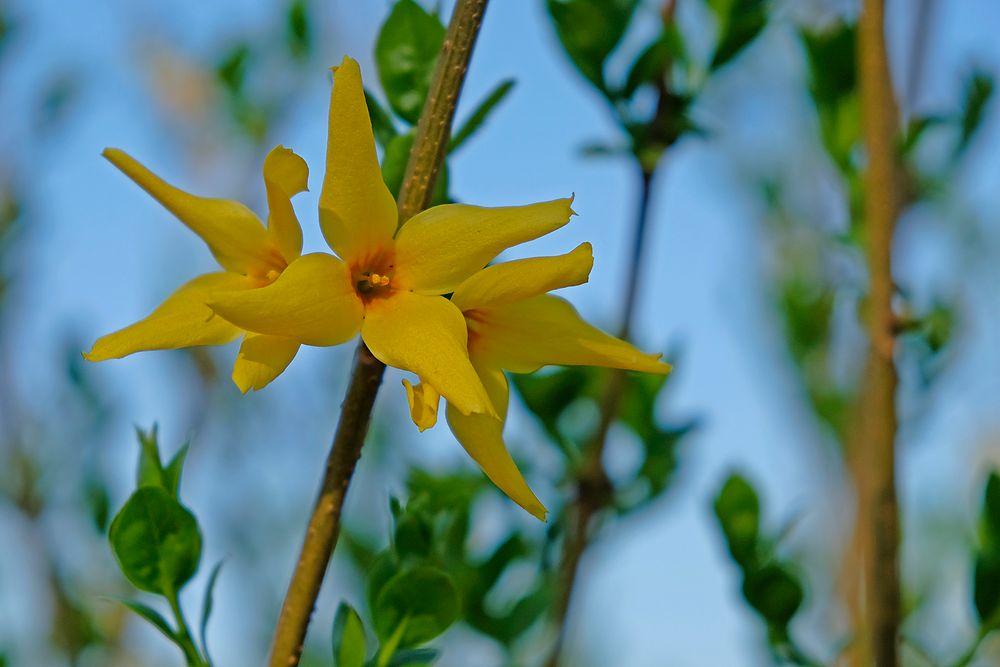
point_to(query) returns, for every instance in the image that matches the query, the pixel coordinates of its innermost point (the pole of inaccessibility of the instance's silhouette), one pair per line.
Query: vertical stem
(191, 653)
(594, 491)
(429, 146)
(878, 395)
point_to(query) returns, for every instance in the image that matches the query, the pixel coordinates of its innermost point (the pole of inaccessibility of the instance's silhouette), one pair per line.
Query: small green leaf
(425, 596)
(405, 53)
(150, 470)
(413, 536)
(388, 648)
(738, 510)
(978, 93)
(589, 31)
(298, 29)
(382, 125)
(172, 473)
(349, 644)
(154, 618)
(775, 593)
(417, 657)
(832, 58)
(232, 69)
(208, 602)
(654, 62)
(397, 154)
(740, 21)
(156, 542)
(476, 119)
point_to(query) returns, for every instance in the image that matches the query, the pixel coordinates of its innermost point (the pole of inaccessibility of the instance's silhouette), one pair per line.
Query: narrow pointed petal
(482, 438)
(439, 248)
(423, 400)
(356, 211)
(546, 330)
(426, 335)
(232, 232)
(262, 359)
(182, 320)
(312, 302)
(285, 175)
(524, 278)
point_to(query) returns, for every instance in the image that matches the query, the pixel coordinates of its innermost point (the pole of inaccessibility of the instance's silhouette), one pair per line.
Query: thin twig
(424, 164)
(877, 412)
(594, 491)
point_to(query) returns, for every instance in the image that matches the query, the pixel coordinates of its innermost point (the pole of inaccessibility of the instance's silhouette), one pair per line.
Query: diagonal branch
(428, 152)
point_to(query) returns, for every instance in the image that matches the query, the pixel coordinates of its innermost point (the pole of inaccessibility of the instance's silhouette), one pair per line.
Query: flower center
(370, 282)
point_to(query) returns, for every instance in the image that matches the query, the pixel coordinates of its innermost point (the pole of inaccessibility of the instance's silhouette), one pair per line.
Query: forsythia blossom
(387, 281)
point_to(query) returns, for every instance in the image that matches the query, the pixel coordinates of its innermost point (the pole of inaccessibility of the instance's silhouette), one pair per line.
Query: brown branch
(594, 491)
(428, 152)
(877, 407)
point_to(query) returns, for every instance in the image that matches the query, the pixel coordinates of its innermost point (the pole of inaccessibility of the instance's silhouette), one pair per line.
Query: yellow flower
(250, 254)
(514, 325)
(387, 280)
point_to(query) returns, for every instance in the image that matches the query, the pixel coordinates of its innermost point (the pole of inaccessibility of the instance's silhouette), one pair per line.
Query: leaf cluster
(593, 32)
(771, 585)
(406, 53)
(157, 543)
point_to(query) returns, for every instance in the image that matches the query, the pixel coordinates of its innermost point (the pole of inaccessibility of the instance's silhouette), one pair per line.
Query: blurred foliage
(771, 585)
(157, 543)
(593, 31)
(406, 53)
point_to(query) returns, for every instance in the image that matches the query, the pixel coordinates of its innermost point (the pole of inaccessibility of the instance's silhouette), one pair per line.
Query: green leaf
(654, 62)
(208, 602)
(775, 593)
(986, 586)
(397, 154)
(740, 21)
(154, 618)
(423, 595)
(476, 119)
(172, 473)
(413, 535)
(417, 657)
(589, 31)
(150, 470)
(388, 648)
(978, 92)
(298, 29)
(156, 542)
(405, 53)
(382, 125)
(986, 577)
(832, 56)
(349, 644)
(232, 69)
(737, 508)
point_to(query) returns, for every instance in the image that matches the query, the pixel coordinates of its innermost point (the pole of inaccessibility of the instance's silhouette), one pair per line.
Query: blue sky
(659, 589)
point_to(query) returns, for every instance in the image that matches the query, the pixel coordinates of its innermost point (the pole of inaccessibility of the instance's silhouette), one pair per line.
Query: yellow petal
(426, 335)
(356, 211)
(524, 278)
(439, 248)
(423, 400)
(312, 302)
(232, 232)
(482, 438)
(183, 320)
(546, 330)
(285, 175)
(261, 359)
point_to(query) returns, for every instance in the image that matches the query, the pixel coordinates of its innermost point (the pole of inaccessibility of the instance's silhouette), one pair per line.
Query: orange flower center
(373, 277)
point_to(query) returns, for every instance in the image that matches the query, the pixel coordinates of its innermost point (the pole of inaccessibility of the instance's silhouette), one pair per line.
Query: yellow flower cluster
(387, 281)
